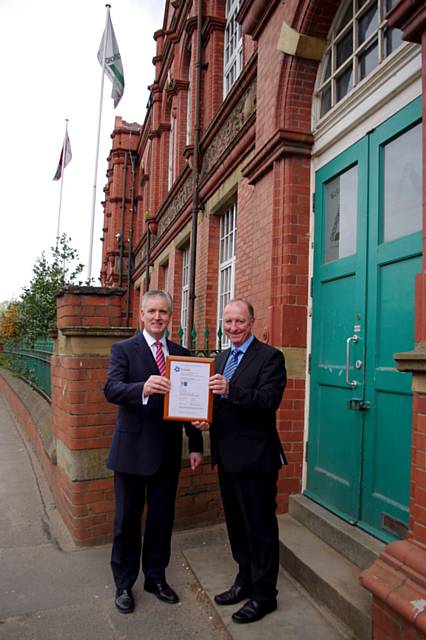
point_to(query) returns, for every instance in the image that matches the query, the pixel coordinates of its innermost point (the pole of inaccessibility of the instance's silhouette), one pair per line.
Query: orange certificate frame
(189, 398)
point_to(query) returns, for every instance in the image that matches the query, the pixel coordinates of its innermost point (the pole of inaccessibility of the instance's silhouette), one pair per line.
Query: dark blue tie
(231, 364)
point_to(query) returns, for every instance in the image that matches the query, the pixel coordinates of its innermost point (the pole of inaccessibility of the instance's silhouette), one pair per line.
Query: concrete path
(51, 589)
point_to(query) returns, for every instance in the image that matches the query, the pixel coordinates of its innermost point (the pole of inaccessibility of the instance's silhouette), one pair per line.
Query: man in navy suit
(248, 385)
(145, 454)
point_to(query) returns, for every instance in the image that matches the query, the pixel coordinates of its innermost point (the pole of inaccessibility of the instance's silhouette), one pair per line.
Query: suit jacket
(244, 438)
(142, 439)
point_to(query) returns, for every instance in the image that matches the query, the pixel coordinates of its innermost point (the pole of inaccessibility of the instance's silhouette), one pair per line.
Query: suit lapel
(221, 360)
(145, 354)
(173, 348)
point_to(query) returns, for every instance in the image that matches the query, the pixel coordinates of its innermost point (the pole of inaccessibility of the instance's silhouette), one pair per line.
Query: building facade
(281, 160)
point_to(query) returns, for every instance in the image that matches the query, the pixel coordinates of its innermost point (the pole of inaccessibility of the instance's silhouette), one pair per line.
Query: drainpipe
(123, 205)
(129, 251)
(148, 256)
(195, 175)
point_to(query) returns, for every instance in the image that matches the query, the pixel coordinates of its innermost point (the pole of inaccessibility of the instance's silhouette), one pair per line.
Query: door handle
(354, 338)
(359, 405)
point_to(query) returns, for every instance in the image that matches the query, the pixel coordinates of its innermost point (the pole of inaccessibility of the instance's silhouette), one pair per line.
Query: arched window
(358, 42)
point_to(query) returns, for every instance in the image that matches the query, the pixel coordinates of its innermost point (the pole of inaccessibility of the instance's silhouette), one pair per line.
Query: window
(188, 104)
(233, 54)
(185, 295)
(358, 42)
(227, 259)
(164, 276)
(171, 171)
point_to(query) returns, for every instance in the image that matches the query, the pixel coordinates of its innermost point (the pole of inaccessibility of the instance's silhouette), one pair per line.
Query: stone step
(297, 618)
(329, 577)
(356, 545)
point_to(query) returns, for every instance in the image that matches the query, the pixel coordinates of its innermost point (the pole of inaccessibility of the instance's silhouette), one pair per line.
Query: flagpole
(62, 180)
(92, 224)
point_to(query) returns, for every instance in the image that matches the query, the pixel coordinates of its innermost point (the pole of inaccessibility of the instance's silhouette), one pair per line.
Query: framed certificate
(189, 397)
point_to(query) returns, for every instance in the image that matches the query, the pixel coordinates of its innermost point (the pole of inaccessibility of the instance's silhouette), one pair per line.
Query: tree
(9, 321)
(37, 306)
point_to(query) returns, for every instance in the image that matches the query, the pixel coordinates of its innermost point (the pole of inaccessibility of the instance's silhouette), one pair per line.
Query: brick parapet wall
(81, 423)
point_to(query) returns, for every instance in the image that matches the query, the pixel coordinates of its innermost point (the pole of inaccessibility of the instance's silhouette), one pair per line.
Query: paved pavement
(51, 589)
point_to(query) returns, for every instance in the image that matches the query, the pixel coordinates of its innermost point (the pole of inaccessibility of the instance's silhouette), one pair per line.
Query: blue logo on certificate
(177, 369)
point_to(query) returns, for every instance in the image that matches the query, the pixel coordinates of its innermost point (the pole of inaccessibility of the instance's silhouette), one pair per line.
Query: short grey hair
(157, 293)
(248, 304)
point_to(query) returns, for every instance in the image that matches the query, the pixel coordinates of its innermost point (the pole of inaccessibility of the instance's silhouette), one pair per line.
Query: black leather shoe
(233, 595)
(124, 601)
(162, 590)
(254, 610)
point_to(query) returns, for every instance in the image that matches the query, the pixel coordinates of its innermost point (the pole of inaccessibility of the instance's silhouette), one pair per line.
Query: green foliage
(9, 327)
(37, 306)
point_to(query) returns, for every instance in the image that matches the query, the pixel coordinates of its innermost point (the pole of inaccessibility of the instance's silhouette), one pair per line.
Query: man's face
(237, 323)
(156, 316)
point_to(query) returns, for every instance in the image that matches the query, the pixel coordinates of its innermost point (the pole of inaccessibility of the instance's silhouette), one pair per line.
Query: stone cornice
(191, 25)
(156, 133)
(398, 578)
(412, 360)
(88, 332)
(211, 24)
(283, 142)
(177, 85)
(91, 291)
(410, 17)
(158, 34)
(254, 15)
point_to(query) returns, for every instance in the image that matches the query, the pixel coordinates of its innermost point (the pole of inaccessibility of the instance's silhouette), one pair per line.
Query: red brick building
(281, 159)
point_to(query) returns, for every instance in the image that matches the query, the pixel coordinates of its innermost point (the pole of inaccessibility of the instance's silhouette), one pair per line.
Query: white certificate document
(189, 397)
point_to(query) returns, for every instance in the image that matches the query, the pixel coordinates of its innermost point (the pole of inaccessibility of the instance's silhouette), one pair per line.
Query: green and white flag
(113, 64)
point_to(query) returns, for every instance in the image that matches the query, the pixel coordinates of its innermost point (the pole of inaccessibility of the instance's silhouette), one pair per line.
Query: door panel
(394, 259)
(363, 313)
(335, 445)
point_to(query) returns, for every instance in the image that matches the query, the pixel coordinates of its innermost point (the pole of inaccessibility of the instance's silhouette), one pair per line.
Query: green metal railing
(32, 362)
(206, 350)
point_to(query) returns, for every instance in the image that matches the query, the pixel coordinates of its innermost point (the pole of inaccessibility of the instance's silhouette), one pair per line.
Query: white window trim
(400, 76)
(185, 294)
(189, 105)
(232, 8)
(171, 164)
(351, 61)
(227, 264)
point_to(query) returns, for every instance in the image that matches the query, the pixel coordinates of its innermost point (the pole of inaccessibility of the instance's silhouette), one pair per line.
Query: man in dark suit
(248, 386)
(145, 454)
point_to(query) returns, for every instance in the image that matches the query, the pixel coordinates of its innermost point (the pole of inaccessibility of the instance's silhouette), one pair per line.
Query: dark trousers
(130, 493)
(249, 504)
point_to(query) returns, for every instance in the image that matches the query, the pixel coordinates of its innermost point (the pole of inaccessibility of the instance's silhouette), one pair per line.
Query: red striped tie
(159, 358)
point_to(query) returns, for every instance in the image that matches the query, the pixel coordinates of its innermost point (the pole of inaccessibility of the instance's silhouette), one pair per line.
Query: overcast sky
(50, 72)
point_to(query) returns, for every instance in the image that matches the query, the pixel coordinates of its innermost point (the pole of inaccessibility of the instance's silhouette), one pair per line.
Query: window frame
(227, 258)
(171, 156)
(184, 300)
(327, 79)
(233, 38)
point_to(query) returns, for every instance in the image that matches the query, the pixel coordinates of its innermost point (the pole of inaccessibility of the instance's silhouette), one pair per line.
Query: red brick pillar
(88, 321)
(397, 579)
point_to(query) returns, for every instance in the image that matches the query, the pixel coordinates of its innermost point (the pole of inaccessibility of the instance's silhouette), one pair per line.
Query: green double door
(367, 253)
